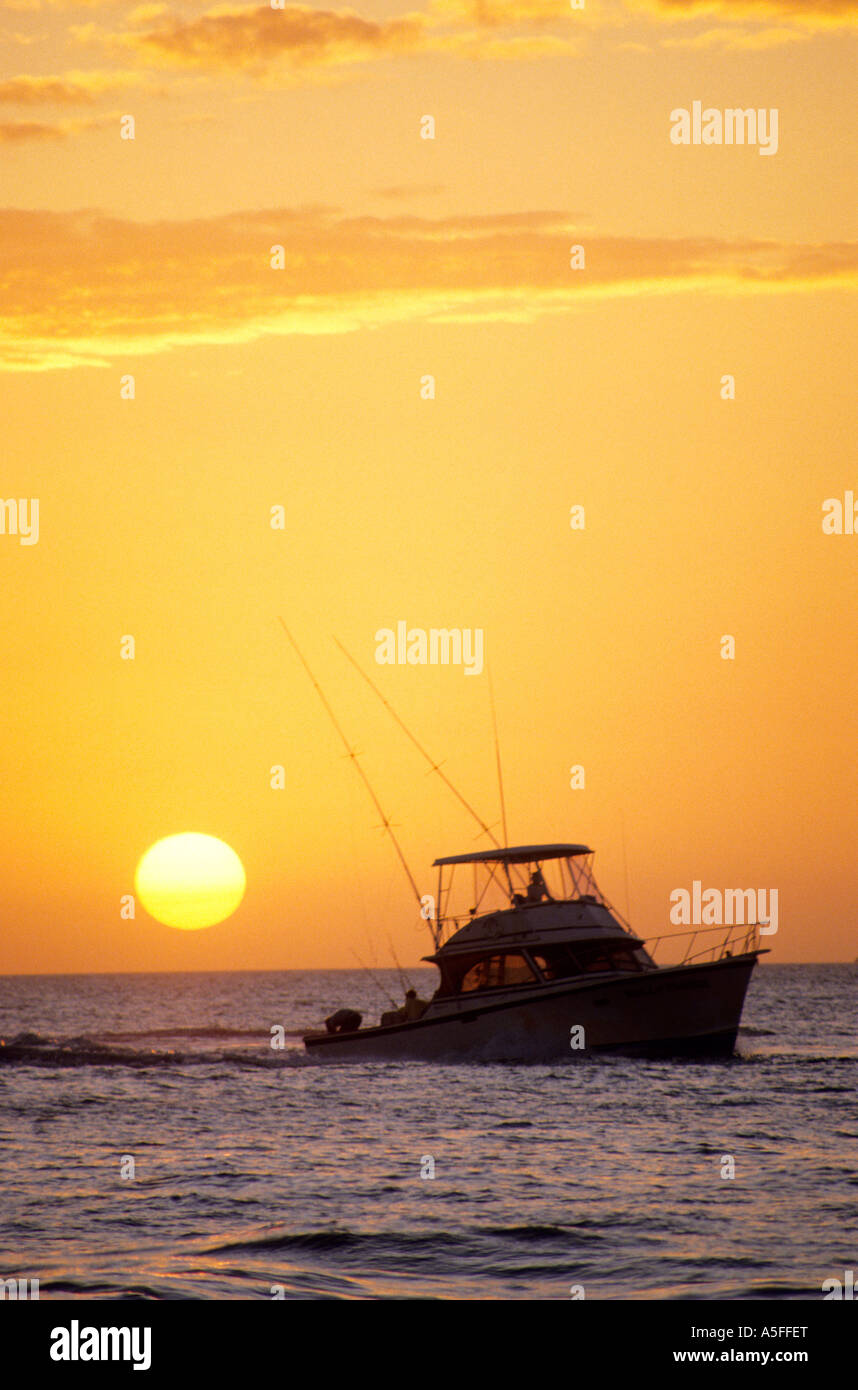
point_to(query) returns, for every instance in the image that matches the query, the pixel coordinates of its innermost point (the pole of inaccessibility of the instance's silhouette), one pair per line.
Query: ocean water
(258, 1170)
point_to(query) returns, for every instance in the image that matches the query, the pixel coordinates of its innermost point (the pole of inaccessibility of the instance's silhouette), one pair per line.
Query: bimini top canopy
(517, 854)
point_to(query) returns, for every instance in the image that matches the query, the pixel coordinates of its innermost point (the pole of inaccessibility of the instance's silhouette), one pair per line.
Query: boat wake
(31, 1049)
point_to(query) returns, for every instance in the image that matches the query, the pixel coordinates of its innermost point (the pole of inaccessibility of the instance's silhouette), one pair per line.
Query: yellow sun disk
(190, 881)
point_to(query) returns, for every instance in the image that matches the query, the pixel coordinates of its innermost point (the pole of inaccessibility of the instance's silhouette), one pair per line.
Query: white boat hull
(679, 1010)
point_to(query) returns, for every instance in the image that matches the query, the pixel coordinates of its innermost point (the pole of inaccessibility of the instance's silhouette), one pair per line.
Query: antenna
(354, 757)
(498, 757)
(434, 767)
(625, 867)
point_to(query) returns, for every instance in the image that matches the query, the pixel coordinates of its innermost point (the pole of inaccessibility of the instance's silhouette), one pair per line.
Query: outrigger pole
(434, 767)
(354, 757)
(498, 761)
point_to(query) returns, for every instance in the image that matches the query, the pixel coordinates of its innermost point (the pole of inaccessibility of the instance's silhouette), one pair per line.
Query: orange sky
(300, 387)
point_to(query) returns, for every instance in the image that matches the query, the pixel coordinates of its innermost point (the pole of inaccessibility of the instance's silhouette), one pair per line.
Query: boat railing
(732, 940)
(737, 939)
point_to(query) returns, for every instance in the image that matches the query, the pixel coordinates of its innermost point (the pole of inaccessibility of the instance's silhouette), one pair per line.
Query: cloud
(254, 37)
(729, 37)
(12, 132)
(16, 132)
(35, 5)
(510, 13)
(301, 43)
(72, 88)
(84, 289)
(819, 14)
(144, 14)
(516, 48)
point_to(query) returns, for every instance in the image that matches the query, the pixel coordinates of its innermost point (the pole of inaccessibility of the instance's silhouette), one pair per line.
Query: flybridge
(511, 879)
(516, 854)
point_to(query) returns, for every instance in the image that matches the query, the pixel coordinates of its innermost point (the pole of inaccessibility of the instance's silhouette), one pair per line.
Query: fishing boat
(536, 965)
(541, 968)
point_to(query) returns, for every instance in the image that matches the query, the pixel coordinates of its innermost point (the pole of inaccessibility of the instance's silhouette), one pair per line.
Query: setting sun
(190, 881)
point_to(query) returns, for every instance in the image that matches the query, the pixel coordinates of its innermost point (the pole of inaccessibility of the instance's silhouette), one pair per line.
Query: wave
(796, 1058)
(209, 1031)
(336, 1240)
(30, 1049)
(533, 1233)
(404, 1241)
(76, 1288)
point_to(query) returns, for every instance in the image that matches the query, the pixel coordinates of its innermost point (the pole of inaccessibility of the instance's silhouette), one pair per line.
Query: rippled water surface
(255, 1167)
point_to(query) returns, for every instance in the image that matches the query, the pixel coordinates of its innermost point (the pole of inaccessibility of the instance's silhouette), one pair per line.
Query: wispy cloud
(308, 42)
(816, 13)
(67, 89)
(254, 39)
(729, 37)
(251, 38)
(16, 132)
(43, 5)
(82, 288)
(511, 13)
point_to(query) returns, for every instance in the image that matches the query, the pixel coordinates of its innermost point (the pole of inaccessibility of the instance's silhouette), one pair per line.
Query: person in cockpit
(415, 1007)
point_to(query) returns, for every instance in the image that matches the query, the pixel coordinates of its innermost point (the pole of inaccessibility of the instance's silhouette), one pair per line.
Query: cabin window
(643, 960)
(497, 971)
(602, 960)
(557, 963)
(561, 962)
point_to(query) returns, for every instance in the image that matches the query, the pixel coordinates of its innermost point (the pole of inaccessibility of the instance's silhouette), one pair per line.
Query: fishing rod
(376, 981)
(434, 767)
(403, 978)
(354, 757)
